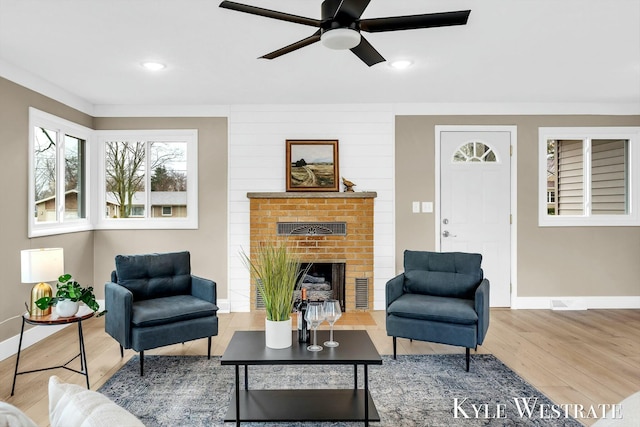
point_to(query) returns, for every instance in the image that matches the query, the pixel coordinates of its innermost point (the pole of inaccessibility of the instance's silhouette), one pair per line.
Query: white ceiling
(511, 51)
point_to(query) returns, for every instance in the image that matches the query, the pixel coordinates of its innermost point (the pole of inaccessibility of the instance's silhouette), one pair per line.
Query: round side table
(50, 320)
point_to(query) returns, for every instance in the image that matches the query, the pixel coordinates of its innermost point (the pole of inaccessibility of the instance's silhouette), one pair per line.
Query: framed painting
(312, 165)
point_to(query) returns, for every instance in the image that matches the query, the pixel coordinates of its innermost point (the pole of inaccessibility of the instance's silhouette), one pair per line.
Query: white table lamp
(40, 266)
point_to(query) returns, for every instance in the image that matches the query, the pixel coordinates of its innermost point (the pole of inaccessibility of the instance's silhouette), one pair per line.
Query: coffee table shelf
(314, 405)
(302, 405)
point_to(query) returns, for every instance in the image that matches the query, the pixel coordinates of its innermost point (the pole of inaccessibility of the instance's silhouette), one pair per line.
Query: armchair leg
(468, 350)
(121, 351)
(209, 348)
(394, 348)
(141, 363)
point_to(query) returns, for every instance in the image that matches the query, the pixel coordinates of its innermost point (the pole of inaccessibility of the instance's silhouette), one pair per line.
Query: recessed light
(153, 66)
(401, 64)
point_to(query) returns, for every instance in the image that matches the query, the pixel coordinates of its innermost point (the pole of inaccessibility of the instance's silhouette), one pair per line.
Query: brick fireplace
(322, 228)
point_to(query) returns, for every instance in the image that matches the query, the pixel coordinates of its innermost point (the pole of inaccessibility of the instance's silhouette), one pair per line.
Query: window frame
(587, 134)
(190, 137)
(470, 159)
(63, 127)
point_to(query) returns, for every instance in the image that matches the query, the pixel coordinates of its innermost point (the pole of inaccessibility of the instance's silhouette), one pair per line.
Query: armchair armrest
(204, 289)
(394, 289)
(119, 305)
(482, 308)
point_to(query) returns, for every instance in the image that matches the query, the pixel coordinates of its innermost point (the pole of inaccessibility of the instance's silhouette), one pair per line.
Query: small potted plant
(275, 270)
(69, 294)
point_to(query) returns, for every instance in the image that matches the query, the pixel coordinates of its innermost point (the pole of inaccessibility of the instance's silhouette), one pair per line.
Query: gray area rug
(415, 390)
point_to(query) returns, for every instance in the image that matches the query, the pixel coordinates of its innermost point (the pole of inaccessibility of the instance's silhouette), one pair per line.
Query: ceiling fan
(340, 26)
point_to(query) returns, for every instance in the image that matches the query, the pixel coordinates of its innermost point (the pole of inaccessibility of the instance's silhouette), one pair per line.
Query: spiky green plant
(275, 270)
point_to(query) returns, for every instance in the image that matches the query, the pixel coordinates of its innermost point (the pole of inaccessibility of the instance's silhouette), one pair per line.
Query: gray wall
(15, 101)
(552, 261)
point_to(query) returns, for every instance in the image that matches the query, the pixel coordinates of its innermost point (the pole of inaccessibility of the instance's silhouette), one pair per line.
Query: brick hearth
(355, 248)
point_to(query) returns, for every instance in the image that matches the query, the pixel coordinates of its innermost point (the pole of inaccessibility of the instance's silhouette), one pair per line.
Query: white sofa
(71, 405)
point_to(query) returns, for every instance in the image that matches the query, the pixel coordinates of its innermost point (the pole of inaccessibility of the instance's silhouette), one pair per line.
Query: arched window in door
(474, 152)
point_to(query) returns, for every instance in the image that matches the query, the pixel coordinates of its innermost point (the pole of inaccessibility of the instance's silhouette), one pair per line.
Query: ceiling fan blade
(293, 46)
(367, 53)
(270, 13)
(350, 10)
(412, 22)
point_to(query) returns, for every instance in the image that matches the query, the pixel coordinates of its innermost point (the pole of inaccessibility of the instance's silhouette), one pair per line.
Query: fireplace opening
(324, 280)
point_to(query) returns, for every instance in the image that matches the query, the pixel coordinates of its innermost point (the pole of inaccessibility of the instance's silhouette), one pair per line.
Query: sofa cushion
(438, 283)
(160, 311)
(449, 274)
(10, 416)
(155, 275)
(452, 262)
(73, 406)
(434, 308)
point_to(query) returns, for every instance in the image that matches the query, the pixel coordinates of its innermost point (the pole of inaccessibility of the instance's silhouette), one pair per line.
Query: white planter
(278, 334)
(67, 308)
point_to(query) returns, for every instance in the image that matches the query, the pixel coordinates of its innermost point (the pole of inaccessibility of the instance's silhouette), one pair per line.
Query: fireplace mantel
(314, 195)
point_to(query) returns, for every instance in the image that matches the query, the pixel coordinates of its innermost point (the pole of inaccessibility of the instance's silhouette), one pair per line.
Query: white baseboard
(9, 347)
(224, 306)
(576, 303)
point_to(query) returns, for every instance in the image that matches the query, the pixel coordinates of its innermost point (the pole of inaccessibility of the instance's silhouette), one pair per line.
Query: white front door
(475, 202)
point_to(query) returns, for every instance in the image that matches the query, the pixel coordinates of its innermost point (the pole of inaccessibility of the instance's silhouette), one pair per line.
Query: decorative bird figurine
(348, 185)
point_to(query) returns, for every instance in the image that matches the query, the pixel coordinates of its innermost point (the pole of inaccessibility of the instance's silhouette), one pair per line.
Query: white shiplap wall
(257, 136)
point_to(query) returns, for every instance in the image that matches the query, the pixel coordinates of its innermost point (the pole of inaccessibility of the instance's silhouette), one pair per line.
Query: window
(141, 179)
(551, 196)
(474, 152)
(149, 179)
(586, 176)
(58, 175)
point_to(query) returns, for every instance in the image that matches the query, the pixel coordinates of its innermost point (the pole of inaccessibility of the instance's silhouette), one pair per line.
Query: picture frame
(312, 165)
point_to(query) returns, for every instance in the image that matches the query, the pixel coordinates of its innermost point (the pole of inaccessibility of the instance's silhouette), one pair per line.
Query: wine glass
(332, 313)
(314, 316)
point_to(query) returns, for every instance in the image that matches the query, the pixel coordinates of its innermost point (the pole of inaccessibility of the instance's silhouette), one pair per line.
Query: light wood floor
(579, 357)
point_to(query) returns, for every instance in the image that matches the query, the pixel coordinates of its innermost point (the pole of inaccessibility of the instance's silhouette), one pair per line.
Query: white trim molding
(38, 84)
(9, 347)
(224, 306)
(515, 108)
(577, 302)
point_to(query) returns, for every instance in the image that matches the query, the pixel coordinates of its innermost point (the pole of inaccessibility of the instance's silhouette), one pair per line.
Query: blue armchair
(153, 301)
(440, 297)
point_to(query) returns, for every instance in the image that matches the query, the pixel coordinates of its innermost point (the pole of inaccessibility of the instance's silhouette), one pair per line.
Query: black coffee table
(248, 348)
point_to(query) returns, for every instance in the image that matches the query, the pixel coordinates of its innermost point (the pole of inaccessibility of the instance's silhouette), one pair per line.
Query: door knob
(445, 233)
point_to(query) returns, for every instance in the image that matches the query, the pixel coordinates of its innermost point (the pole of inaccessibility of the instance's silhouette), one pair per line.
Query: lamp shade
(41, 265)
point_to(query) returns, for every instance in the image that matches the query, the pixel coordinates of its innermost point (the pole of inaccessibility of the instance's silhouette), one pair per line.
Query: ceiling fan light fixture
(340, 38)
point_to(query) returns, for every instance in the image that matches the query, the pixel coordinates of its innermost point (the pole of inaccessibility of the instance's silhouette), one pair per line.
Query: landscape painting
(312, 165)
